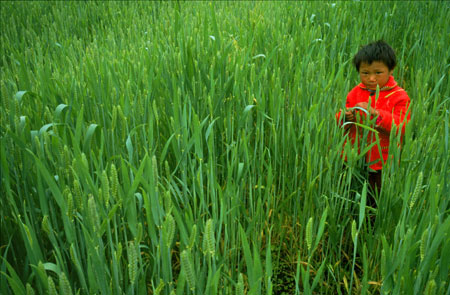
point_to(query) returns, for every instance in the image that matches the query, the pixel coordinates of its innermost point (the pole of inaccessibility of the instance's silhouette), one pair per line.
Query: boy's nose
(372, 78)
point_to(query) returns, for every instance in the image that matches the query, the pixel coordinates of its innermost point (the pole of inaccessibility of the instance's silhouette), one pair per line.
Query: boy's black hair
(376, 51)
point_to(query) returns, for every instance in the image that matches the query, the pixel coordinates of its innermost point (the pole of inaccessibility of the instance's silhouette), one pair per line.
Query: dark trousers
(375, 185)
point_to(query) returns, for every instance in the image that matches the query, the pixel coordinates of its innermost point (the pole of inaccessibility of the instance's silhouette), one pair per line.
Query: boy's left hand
(366, 106)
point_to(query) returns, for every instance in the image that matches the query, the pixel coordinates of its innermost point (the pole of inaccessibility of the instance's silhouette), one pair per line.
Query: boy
(375, 63)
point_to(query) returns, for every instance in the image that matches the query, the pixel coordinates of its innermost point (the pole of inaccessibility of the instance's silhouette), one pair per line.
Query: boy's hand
(366, 106)
(349, 115)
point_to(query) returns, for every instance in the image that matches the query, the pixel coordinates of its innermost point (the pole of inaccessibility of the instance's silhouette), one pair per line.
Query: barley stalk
(123, 120)
(5, 97)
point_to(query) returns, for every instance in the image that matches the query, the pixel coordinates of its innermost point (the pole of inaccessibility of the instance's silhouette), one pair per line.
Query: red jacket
(392, 106)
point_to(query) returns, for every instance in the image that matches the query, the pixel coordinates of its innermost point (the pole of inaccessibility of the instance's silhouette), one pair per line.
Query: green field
(192, 148)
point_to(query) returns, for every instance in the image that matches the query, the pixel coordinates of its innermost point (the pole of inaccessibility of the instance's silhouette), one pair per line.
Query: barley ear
(193, 236)
(77, 192)
(354, 233)
(93, 214)
(140, 233)
(155, 111)
(45, 225)
(166, 167)
(168, 201)
(423, 244)
(118, 252)
(188, 267)
(105, 188)
(114, 118)
(209, 237)
(37, 143)
(159, 288)
(51, 287)
(73, 256)
(240, 285)
(168, 230)
(30, 290)
(114, 182)
(383, 262)
(28, 233)
(309, 233)
(155, 170)
(416, 190)
(70, 206)
(84, 161)
(67, 162)
(132, 262)
(64, 285)
(430, 288)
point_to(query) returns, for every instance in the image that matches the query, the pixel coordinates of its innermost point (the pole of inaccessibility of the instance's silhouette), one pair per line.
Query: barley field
(192, 148)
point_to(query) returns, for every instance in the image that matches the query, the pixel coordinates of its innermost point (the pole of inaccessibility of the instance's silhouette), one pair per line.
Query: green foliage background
(191, 147)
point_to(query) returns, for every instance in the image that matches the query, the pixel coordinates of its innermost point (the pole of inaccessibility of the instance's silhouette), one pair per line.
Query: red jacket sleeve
(400, 104)
(338, 118)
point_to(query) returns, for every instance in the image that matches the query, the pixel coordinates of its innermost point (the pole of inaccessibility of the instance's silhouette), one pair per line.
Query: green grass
(191, 148)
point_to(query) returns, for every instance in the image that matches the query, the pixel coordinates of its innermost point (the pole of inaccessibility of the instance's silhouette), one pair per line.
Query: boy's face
(375, 73)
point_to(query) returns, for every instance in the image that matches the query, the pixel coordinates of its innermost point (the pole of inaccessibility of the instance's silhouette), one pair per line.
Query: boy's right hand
(349, 115)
